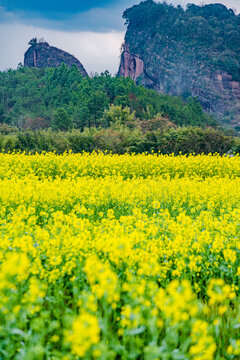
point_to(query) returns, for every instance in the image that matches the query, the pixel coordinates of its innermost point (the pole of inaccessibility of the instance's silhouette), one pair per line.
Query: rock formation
(192, 52)
(131, 65)
(41, 55)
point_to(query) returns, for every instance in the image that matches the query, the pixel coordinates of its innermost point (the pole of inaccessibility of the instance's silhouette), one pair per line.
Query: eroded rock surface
(41, 55)
(192, 52)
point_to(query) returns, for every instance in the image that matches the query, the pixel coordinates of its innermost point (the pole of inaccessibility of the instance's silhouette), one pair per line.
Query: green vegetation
(120, 139)
(62, 98)
(59, 110)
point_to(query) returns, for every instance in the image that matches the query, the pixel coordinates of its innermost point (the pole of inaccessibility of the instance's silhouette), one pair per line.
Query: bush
(120, 139)
(81, 141)
(195, 140)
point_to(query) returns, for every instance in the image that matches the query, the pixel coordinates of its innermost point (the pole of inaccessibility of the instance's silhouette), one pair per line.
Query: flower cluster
(119, 257)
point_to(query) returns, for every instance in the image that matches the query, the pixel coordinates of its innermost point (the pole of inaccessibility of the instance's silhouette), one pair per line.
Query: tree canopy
(30, 97)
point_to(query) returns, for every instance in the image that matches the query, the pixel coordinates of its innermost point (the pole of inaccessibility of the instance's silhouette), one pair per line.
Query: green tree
(97, 103)
(1, 114)
(62, 121)
(117, 115)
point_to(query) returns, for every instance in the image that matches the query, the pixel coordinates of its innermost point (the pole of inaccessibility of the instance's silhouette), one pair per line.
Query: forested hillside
(31, 98)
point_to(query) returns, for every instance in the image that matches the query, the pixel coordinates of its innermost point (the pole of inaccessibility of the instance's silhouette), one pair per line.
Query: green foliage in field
(120, 139)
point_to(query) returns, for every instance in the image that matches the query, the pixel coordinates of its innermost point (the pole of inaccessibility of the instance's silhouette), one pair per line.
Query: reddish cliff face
(131, 65)
(43, 55)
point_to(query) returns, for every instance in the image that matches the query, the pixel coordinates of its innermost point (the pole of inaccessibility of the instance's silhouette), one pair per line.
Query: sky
(91, 30)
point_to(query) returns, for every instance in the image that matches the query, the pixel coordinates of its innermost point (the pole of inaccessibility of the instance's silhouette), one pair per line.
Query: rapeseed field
(119, 257)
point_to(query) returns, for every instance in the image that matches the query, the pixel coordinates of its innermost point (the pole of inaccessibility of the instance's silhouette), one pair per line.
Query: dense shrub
(120, 139)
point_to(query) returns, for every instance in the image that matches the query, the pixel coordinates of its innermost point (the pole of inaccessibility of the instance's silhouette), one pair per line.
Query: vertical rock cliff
(131, 65)
(192, 52)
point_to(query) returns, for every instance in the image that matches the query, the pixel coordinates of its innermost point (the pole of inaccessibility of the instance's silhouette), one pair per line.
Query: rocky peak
(192, 52)
(40, 55)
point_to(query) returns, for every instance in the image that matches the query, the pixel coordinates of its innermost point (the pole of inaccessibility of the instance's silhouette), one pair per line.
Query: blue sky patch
(49, 8)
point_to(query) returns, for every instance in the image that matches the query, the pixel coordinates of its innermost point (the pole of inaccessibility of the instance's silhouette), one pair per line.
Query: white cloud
(96, 51)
